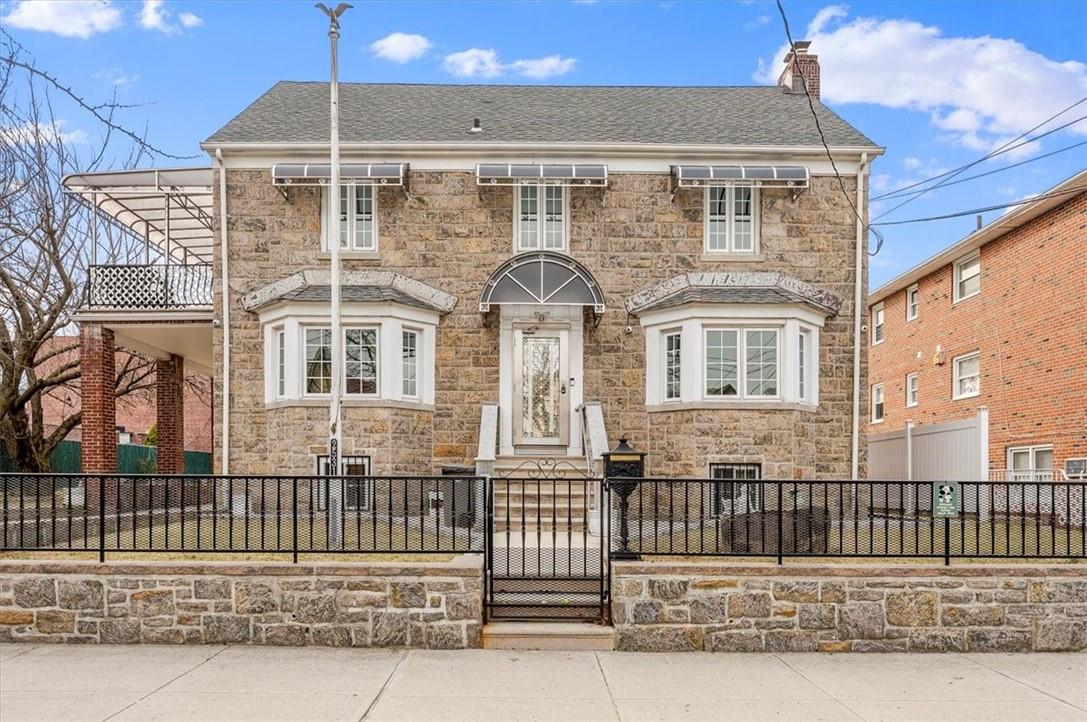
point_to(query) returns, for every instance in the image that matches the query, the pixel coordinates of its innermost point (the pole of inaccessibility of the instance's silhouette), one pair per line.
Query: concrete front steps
(540, 493)
(563, 636)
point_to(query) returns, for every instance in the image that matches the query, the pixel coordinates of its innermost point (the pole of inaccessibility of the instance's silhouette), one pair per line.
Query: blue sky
(938, 84)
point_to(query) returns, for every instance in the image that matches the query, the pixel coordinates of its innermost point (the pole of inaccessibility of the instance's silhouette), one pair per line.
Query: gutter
(858, 288)
(225, 262)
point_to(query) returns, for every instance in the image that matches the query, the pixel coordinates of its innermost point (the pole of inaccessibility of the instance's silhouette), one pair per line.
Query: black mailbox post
(623, 467)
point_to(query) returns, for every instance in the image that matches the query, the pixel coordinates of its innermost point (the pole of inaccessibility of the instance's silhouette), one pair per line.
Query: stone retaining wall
(836, 608)
(425, 605)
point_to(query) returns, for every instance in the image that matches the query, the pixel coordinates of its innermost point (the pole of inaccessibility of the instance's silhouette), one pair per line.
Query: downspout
(857, 315)
(225, 263)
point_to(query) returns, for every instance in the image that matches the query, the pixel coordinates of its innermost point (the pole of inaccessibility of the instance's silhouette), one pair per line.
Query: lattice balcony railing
(150, 287)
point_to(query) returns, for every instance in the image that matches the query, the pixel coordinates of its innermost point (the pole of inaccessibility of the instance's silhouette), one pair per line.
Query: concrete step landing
(563, 636)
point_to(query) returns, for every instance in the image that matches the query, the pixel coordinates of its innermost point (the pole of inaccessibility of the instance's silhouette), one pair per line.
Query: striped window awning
(513, 174)
(781, 176)
(319, 174)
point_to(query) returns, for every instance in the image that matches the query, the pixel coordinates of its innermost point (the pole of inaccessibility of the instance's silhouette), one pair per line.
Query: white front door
(541, 392)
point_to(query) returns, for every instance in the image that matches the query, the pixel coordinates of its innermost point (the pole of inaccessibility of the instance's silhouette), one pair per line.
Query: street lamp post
(335, 482)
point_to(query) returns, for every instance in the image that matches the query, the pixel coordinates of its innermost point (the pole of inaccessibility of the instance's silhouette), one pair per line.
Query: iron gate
(547, 543)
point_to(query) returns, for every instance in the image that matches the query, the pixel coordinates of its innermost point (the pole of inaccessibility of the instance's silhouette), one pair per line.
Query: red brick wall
(1030, 324)
(170, 414)
(98, 380)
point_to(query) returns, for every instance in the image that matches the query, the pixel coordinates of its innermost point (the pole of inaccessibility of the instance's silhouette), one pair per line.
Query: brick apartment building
(997, 320)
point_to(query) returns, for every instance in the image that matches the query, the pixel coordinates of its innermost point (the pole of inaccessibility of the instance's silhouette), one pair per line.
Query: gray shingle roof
(297, 112)
(357, 294)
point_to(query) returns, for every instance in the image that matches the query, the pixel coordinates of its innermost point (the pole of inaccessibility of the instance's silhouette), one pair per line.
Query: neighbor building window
(877, 324)
(357, 218)
(912, 389)
(409, 352)
(318, 354)
(731, 220)
(356, 490)
(281, 362)
(755, 377)
(1030, 463)
(541, 218)
(672, 365)
(735, 493)
(968, 276)
(877, 403)
(912, 302)
(967, 372)
(360, 361)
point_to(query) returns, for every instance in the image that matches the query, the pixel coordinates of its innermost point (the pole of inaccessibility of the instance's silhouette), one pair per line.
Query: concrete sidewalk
(267, 683)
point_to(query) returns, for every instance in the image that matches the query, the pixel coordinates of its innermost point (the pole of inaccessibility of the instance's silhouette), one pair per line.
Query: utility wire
(901, 192)
(1002, 149)
(823, 138)
(1042, 196)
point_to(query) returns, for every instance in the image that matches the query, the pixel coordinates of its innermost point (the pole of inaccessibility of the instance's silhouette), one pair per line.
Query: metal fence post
(101, 519)
(294, 519)
(780, 511)
(947, 541)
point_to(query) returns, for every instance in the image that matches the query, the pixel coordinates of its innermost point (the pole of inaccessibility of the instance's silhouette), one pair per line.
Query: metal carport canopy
(153, 200)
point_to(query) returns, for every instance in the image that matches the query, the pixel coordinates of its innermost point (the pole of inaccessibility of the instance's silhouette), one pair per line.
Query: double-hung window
(318, 355)
(409, 354)
(731, 220)
(803, 363)
(540, 224)
(877, 403)
(281, 362)
(741, 363)
(877, 324)
(913, 302)
(967, 276)
(913, 392)
(672, 365)
(357, 213)
(967, 376)
(1030, 463)
(360, 361)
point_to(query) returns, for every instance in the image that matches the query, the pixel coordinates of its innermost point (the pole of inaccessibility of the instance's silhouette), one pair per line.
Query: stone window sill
(349, 403)
(730, 406)
(722, 257)
(352, 256)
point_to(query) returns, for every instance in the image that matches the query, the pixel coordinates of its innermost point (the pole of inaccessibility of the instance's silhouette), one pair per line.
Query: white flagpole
(335, 485)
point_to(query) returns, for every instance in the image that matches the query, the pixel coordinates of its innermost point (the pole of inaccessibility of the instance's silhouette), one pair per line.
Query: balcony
(149, 287)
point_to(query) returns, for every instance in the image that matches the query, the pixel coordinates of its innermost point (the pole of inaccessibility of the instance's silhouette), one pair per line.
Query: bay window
(318, 361)
(731, 220)
(540, 223)
(409, 350)
(672, 365)
(360, 363)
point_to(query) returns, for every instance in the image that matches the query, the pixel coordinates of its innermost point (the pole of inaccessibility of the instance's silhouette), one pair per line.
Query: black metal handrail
(718, 517)
(241, 514)
(150, 286)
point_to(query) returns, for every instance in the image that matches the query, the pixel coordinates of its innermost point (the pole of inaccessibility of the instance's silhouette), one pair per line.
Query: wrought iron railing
(149, 286)
(713, 517)
(242, 514)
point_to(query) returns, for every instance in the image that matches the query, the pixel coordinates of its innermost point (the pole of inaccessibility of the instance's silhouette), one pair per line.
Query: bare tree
(45, 240)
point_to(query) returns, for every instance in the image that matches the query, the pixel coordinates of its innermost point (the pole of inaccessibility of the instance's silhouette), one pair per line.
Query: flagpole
(335, 485)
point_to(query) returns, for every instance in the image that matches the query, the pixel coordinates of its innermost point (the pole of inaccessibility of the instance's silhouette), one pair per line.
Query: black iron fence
(711, 517)
(149, 286)
(242, 514)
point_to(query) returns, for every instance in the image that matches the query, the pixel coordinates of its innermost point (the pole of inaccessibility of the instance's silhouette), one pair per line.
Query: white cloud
(979, 90)
(73, 19)
(155, 16)
(115, 76)
(911, 162)
(400, 47)
(189, 20)
(28, 132)
(758, 22)
(485, 63)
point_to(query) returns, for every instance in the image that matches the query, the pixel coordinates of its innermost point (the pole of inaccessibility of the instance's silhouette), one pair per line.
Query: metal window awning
(320, 174)
(513, 174)
(171, 208)
(780, 176)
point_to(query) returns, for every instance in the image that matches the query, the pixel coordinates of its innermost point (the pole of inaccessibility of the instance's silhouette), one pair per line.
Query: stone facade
(420, 605)
(452, 234)
(859, 608)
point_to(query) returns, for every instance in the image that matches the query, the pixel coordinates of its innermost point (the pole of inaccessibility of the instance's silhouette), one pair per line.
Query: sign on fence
(945, 498)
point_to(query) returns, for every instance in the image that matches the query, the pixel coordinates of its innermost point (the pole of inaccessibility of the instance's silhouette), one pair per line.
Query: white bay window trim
(388, 321)
(694, 322)
(361, 232)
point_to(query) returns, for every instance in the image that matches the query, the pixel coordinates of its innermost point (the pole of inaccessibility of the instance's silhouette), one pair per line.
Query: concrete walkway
(229, 683)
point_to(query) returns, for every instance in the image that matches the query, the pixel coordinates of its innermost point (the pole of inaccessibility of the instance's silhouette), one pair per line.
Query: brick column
(98, 380)
(170, 414)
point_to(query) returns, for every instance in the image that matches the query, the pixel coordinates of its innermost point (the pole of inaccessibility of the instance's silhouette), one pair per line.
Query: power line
(822, 137)
(1042, 196)
(1002, 149)
(899, 193)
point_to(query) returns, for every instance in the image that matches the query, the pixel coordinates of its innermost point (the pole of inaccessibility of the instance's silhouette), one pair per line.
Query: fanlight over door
(542, 278)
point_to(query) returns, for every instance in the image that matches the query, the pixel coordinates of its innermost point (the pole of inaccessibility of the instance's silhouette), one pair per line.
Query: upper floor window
(731, 220)
(877, 324)
(357, 218)
(968, 276)
(672, 365)
(877, 403)
(913, 392)
(912, 302)
(967, 376)
(540, 223)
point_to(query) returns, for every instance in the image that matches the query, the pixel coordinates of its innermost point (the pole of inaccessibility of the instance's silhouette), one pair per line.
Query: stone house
(529, 273)
(995, 320)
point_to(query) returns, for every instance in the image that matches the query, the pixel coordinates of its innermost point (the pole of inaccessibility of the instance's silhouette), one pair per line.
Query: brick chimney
(800, 68)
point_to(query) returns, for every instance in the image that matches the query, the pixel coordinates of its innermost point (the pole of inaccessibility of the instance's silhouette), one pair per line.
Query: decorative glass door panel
(541, 388)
